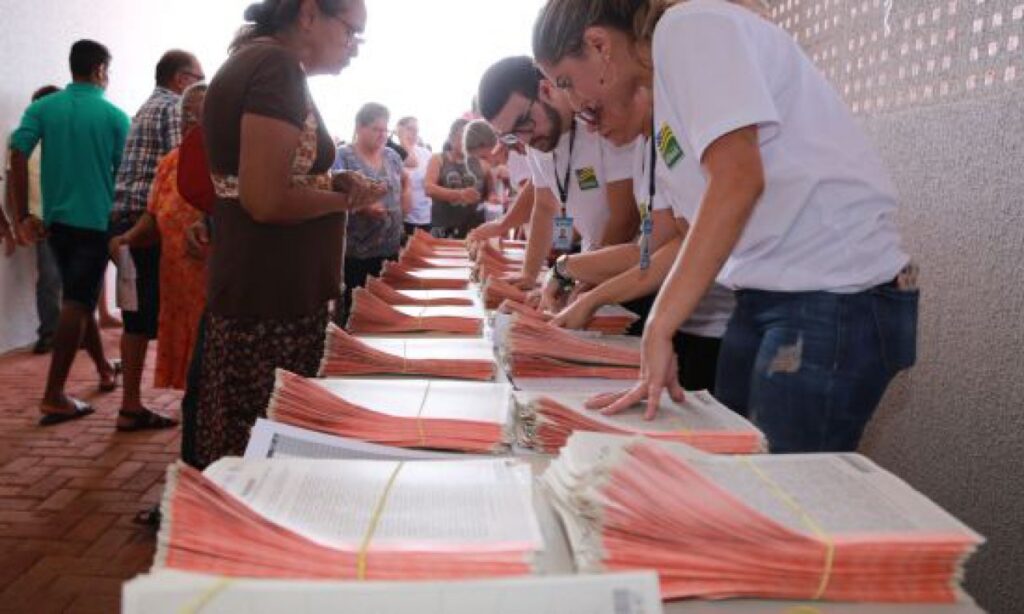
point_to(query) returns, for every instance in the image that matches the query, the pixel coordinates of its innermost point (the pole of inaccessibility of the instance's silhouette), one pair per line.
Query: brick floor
(68, 493)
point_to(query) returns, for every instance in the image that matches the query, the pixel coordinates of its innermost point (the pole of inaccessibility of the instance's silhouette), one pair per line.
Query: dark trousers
(412, 228)
(698, 356)
(356, 272)
(809, 368)
(47, 290)
(190, 401)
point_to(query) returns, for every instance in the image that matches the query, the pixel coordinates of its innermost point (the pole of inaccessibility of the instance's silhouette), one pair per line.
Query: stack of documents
(809, 526)
(170, 592)
(350, 519)
(372, 315)
(608, 320)
(416, 261)
(536, 349)
(468, 358)
(401, 277)
(422, 298)
(545, 422)
(435, 414)
(496, 290)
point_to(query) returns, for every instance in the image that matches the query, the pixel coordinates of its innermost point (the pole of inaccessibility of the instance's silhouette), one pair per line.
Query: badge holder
(563, 233)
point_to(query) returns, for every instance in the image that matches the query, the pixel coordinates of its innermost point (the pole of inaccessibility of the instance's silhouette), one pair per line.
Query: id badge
(563, 234)
(646, 229)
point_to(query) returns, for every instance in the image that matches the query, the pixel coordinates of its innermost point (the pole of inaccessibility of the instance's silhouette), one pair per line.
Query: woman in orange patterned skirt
(182, 272)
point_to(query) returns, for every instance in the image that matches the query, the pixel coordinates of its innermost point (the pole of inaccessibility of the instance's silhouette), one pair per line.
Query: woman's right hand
(484, 232)
(470, 196)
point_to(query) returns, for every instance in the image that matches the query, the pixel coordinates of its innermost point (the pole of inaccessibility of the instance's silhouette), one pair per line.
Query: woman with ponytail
(278, 225)
(778, 194)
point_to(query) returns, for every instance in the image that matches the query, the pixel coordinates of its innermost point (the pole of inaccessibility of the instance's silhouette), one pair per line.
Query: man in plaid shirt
(155, 131)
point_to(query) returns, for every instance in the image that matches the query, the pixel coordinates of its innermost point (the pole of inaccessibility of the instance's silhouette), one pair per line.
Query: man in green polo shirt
(83, 136)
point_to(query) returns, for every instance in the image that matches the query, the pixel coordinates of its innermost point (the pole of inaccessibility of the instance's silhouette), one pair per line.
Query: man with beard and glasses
(583, 183)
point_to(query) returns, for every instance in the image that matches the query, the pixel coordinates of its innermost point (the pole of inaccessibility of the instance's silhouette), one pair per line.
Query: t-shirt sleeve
(277, 89)
(618, 161)
(341, 162)
(29, 132)
(539, 167)
(712, 75)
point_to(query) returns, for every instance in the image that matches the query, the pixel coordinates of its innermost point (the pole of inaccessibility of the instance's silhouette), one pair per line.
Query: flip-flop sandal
(145, 420)
(81, 410)
(110, 386)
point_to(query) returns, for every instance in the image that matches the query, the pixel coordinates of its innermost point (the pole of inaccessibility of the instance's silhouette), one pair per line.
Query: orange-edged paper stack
(422, 298)
(609, 319)
(345, 355)
(547, 420)
(400, 277)
(811, 526)
(425, 238)
(435, 414)
(349, 519)
(496, 290)
(371, 315)
(422, 250)
(415, 261)
(536, 349)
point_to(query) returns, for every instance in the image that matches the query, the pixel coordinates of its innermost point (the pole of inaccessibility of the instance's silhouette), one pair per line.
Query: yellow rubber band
(419, 415)
(809, 522)
(378, 511)
(207, 596)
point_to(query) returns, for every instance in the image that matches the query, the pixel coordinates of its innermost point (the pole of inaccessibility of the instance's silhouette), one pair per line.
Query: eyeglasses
(523, 124)
(354, 34)
(196, 76)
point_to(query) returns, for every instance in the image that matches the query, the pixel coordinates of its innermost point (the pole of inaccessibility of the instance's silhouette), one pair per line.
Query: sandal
(79, 409)
(144, 420)
(110, 385)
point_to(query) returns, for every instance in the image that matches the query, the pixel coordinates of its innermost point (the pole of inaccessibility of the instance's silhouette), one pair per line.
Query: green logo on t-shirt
(669, 147)
(587, 178)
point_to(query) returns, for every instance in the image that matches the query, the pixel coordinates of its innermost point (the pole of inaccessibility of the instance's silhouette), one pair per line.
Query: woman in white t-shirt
(789, 204)
(408, 131)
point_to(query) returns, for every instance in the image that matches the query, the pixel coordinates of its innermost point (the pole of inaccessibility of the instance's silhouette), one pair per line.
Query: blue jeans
(810, 368)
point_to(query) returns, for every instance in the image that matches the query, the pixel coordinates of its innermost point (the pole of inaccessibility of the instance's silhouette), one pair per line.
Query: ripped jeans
(809, 368)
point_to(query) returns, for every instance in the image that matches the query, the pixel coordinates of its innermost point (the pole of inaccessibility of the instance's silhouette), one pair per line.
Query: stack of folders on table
(402, 277)
(350, 519)
(462, 358)
(608, 320)
(169, 592)
(372, 315)
(810, 526)
(545, 422)
(434, 414)
(537, 349)
(421, 298)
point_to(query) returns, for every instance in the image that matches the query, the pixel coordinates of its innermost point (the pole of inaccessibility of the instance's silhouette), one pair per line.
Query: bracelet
(561, 272)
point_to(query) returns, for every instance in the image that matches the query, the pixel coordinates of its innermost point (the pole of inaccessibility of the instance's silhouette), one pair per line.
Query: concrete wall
(941, 91)
(34, 41)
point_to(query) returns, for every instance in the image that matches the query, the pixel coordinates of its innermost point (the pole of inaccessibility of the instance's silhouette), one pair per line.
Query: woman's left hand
(658, 372)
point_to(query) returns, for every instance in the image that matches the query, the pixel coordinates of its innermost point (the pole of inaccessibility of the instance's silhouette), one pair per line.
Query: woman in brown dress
(278, 227)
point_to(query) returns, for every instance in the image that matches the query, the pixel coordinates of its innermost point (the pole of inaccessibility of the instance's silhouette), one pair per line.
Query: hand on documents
(659, 370)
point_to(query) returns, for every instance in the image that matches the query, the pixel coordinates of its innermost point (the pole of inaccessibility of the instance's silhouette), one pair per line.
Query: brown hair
(558, 31)
(269, 17)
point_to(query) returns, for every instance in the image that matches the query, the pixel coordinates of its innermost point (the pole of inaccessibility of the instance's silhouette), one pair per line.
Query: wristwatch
(561, 272)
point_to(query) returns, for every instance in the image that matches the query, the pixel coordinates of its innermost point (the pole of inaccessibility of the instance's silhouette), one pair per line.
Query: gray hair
(478, 134)
(187, 96)
(558, 31)
(372, 112)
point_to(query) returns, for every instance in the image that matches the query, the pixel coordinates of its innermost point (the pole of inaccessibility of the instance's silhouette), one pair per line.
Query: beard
(547, 142)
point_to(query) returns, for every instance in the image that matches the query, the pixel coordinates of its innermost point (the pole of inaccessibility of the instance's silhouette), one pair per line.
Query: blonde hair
(478, 134)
